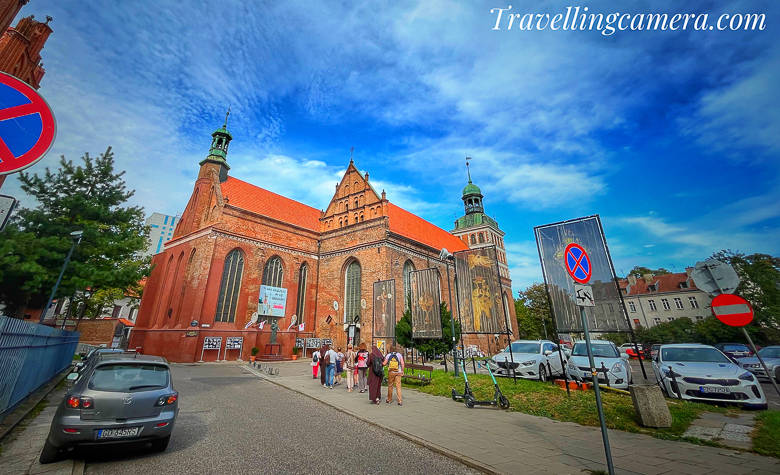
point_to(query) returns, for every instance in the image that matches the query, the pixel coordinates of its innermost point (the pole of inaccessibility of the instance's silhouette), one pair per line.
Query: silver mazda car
(117, 398)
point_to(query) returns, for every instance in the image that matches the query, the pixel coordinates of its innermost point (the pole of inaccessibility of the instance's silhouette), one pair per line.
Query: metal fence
(30, 356)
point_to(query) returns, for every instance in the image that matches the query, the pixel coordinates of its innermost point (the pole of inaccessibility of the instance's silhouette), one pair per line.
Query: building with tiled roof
(653, 299)
(237, 243)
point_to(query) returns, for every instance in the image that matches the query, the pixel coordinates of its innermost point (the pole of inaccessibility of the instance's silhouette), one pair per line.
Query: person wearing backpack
(362, 367)
(315, 363)
(395, 371)
(330, 367)
(375, 360)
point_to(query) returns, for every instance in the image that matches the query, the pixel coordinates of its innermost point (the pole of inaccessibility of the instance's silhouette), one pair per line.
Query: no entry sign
(732, 310)
(578, 263)
(27, 125)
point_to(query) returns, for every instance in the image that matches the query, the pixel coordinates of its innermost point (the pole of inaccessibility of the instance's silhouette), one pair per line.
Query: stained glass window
(352, 294)
(230, 287)
(272, 274)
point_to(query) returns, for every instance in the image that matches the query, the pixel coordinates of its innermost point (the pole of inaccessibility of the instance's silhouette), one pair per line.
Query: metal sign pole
(624, 311)
(594, 376)
(457, 301)
(760, 359)
(750, 340)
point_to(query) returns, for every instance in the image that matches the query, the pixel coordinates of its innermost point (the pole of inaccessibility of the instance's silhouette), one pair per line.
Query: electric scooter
(499, 400)
(456, 396)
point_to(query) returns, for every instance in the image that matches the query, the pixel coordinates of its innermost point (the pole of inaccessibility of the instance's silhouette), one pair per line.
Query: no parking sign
(27, 125)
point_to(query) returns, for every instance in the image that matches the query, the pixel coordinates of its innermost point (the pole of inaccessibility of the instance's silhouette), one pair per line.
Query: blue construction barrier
(30, 356)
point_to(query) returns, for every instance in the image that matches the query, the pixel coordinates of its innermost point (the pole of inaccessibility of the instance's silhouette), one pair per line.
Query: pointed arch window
(408, 268)
(230, 287)
(352, 292)
(273, 272)
(303, 276)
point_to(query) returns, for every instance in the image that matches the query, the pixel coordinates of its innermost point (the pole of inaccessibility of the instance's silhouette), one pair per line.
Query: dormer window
(652, 288)
(684, 285)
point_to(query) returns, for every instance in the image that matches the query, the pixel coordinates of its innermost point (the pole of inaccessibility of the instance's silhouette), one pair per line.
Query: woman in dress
(315, 363)
(323, 351)
(362, 367)
(374, 381)
(349, 364)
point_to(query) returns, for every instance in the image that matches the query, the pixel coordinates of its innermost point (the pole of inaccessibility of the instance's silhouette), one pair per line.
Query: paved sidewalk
(514, 443)
(25, 442)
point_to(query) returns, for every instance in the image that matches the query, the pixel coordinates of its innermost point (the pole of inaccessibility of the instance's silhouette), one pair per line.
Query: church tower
(20, 46)
(476, 229)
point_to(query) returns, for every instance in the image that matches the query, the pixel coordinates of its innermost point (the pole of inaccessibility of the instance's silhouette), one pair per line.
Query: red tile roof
(258, 200)
(665, 283)
(414, 227)
(126, 322)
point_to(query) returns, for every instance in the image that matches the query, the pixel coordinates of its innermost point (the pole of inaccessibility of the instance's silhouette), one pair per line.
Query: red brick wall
(97, 332)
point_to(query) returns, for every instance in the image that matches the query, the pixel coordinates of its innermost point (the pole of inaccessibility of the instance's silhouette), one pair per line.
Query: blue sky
(672, 137)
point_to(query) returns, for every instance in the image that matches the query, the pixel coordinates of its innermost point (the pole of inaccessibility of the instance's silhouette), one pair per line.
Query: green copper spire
(472, 195)
(221, 140)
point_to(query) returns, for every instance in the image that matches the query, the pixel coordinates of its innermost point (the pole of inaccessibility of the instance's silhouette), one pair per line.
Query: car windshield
(771, 352)
(119, 377)
(524, 348)
(735, 348)
(602, 350)
(693, 355)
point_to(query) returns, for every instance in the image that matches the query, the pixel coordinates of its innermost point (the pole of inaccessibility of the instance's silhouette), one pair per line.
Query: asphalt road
(233, 422)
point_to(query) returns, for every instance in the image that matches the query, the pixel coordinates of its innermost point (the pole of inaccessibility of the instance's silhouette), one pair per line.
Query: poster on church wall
(479, 291)
(384, 309)
(272, 301)
(426, 299)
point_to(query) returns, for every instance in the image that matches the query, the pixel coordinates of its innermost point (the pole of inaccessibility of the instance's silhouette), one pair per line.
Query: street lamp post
(76, 238)
(446, 256)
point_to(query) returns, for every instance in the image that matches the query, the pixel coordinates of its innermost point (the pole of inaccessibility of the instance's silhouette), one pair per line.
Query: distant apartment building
(653, 299)
(162, 227)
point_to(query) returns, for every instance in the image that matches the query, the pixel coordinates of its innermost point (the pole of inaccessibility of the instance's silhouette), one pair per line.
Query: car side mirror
(547, 352)
(72, 376)
(567, 353)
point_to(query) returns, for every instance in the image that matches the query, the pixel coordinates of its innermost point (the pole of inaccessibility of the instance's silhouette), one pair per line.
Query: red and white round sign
(732, 310)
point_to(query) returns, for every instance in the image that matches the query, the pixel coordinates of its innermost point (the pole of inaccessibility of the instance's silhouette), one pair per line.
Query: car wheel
(50, 454)
(542, 374)
(160, 445)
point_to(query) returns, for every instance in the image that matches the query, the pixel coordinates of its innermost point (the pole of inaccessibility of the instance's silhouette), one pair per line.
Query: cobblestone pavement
(512, 443)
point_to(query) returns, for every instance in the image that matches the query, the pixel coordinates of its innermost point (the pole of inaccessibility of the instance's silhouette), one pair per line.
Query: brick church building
(234, 237)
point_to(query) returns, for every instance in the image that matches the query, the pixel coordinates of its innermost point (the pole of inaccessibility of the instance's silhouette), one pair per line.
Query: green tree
(429, 347)
(88, 197)
(533, 312)
(760, 284)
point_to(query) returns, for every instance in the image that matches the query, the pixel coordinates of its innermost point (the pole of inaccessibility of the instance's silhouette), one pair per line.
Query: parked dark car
(117, 398)
(734, 350)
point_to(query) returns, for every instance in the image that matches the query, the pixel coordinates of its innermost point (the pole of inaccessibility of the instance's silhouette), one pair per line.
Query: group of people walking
(364, 370)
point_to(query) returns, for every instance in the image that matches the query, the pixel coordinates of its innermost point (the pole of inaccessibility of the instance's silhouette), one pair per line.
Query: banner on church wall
(479, 291)
(272, 301)
(384, 309)
(426, 299)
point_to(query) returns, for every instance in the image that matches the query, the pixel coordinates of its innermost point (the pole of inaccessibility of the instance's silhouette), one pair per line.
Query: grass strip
(547, 400)
(766, 435)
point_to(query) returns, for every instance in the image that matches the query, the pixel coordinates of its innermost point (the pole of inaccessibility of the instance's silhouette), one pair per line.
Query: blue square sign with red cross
(578, 263)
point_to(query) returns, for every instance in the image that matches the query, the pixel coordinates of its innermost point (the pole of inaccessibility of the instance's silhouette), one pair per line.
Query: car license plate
(705, 389)
(118, 433)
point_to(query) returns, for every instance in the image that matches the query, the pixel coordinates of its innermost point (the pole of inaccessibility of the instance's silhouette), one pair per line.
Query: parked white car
(533, 359)
(701, 372)
(605, 355)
